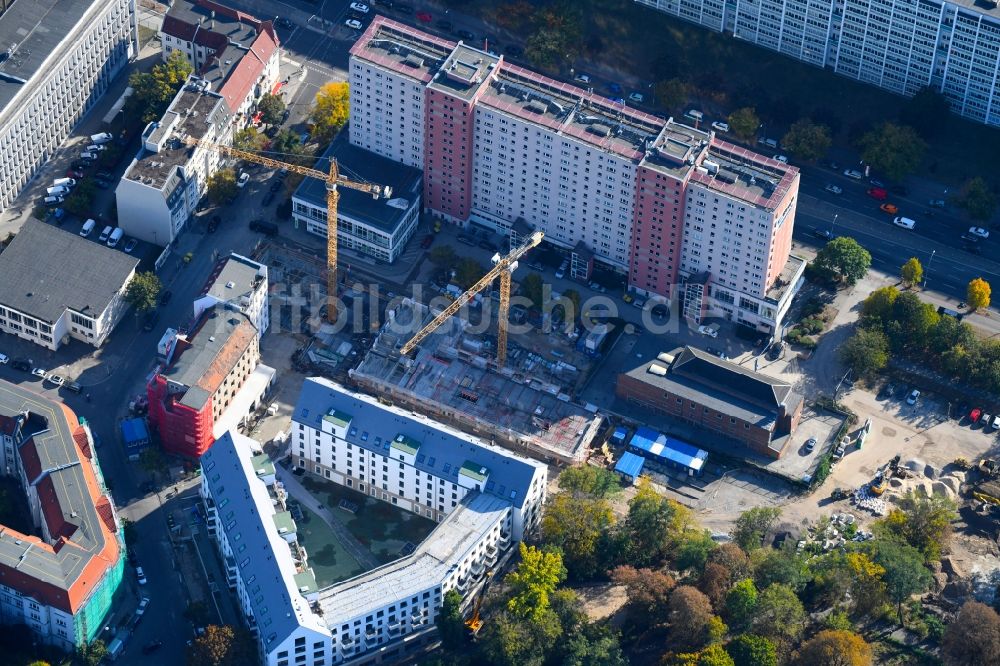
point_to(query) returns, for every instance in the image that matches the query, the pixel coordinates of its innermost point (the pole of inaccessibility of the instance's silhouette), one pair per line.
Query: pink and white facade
(664, 203)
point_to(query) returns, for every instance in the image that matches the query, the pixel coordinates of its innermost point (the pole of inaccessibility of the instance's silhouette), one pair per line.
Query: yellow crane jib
(498, 269)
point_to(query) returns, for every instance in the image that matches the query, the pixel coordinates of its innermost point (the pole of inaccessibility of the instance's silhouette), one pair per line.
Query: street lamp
(834, 223)
(924, 285)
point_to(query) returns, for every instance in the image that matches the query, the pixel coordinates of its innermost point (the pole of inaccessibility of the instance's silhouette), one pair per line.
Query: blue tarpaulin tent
(630, 466)
(657, 447)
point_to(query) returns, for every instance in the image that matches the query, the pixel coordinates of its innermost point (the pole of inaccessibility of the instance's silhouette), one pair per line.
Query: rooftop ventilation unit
(656, 369)
(599, 130)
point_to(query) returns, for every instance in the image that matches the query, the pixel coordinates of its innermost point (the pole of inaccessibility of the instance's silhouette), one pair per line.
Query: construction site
(452, 376)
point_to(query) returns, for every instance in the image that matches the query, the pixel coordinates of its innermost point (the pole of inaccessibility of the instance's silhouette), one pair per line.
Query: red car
(424, 17)
(878, 193)
(975, 414)
(74, 173)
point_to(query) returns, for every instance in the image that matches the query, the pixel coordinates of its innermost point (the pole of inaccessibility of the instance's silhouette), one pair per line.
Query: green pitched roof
(405, 444)
(284, 522)
(262, 465)
(474, 471)
(339, 419)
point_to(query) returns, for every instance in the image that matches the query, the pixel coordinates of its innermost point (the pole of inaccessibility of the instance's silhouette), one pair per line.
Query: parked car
(213, 224)
(150, 320)
(152, 647)
(74, 173)
(102, 184)
(39, 372)
(513, 50)
(130, 245)
(442, 24)
(140, 575)
(424, 17)
(242, 181)
(353, 24)
(913, 397)
(810, 444)
(465, 34)
(141, 608)
(75, 387)
(636, 97)
(834, 189)
(979, 232)
(711, 330)
(4, 359)
(975, 414)
(102, 138)
(889, 208)
(55, 380)
(360, 7)
(720, 126)
(904, 222)
(266, 228)
(854, 174)
(284, 23)
(165, 296)
(580, 77)
(781, 158)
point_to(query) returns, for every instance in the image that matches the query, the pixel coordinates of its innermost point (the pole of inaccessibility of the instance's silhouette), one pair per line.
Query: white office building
(240, 283)
(901, 46)
(57, 59)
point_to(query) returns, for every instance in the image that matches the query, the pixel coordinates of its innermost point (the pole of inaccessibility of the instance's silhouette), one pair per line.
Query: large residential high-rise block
(899, 45)
(57, 59)
(508, 149)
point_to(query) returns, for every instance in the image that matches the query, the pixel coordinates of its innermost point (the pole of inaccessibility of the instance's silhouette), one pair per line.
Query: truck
(115, 649)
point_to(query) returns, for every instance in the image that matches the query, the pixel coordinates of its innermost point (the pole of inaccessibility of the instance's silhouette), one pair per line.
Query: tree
(923, 522)
(286, 145)
(714, 582)
(450, 624)
(904, 571)
(912, 272)
(895, 150)
(93, 653)
(507, 640)
(807, 140)
(81, 200)
(690, 612)
(752, 526)
(752, 650)
(142, 291)
(648, 594)
(866, 352)
(973, 637)
(652, 526)
(531, 287)
(978, 199)
(589, 481)
(249, 139)
(741, 603)
(732, 558)
(846, 258)
(744, 123)
(911, 322)
(876, 310)
(271, 108)
(786, 566)
(586, 644)
(330, 110)
(153, 461)
(222, 646)
(671, 93)
(926, 112)
(222, 186)
(576, 525)
(780, 614)
(713, 655)
(154, 89)
(443, 256)
(536, 577)
(978, 294)
(467, 272)
(835, 648)
(693, 550)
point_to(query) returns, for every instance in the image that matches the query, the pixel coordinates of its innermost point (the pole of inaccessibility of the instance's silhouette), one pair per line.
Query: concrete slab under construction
(451, 377)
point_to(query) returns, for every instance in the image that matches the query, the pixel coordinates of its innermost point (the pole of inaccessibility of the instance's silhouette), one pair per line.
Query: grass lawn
(381, 527)
(330, 562)
(646, 46)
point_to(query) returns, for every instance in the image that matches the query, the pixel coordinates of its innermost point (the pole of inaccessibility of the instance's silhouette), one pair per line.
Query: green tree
(443, 256)
(973, 637)
(287, 146)
(576, 525)
(744, 123)
(741, 604)
(807, 140)
(927, 112)
(450, 623)
(693, 550)
(93, 653)
(509, 640)
(468, 272)
(846, 258)
(153, 461)
(752, 650)
(690, 612)
(905, 573)
(81, 200)
(895, 150)
(222, 646)
(780, 614)
(671, 93)
(154, 89)
(785, 565)
(835, 648)
(732, 558)
(271, 107)
(531, 287)
(866, 352)
(923, 522)
(652, 526)
(912, 320)
(330, 111)
(912, 272)
(713, 655)
(752, 526)
(142, 291)
(978, 199)
(222, 186)
(978, 294)
(249, 139)
(536, 577)
(648, 593)
(876, 310)
(589, 481)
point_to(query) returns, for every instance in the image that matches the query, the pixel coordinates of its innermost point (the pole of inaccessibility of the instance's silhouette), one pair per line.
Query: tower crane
(503, 267)
(332, 180)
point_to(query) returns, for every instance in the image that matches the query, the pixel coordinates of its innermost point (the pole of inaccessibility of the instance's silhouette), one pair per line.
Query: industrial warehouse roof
(442, 451)
(57, 460)
(734, 379)
(46, 270)
(36, 28)
(359, 164)
(658, 445)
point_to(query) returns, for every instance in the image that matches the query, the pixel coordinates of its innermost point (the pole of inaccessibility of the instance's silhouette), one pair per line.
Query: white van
(116, 236)
(88, 227)
(64, 182)
(103, 137)
(105, 234)
(53, 200)
(57, 191)
(770, 143)
(694, 114)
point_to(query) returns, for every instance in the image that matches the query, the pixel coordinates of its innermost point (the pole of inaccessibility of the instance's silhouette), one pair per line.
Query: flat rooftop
(56, 457)
(46, 270)
(403, 49)
(191, 113)
(426, 568)
(235, 277)
(444, 376)
(464, 71)
(676, 148)
(362, 165)
(743, 174)
(30, 32)
(786, 279)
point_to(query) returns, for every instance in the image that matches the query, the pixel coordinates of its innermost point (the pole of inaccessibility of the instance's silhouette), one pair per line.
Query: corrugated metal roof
(657, 445)
(630, 464)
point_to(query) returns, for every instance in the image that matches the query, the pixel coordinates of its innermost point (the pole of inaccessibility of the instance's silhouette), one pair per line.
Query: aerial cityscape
(648, 332)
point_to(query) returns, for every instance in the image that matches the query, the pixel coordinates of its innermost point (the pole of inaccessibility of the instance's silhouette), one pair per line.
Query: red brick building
(691, 385)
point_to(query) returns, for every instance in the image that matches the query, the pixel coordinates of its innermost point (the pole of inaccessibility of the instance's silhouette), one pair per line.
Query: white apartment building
(58, 58)
(483, 497)
(160, 190)
(240, 283)
(952, 47)
(56, 286)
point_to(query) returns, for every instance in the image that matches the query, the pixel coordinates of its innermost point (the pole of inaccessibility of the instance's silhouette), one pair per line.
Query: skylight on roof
(430, 463)
(420, 457)
(447, 467)
(354, 431)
